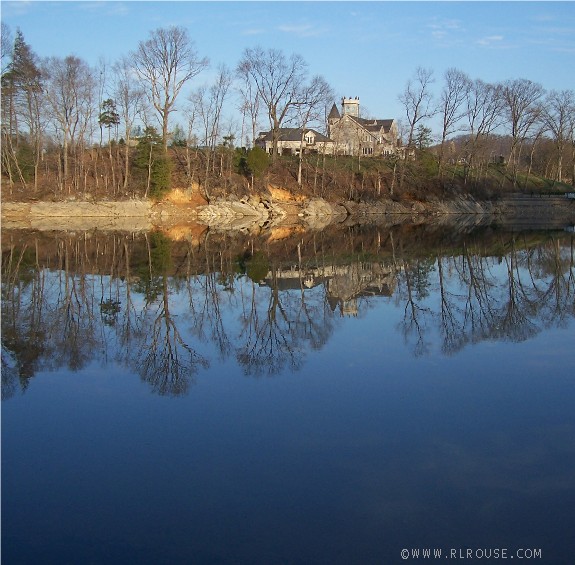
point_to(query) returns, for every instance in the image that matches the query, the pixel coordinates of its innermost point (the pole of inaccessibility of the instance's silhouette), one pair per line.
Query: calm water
(314, 397)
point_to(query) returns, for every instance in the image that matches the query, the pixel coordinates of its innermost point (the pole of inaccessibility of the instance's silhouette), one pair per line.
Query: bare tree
(558, 112)
(484, 106)
(251, 106)
(6, 46)
(191, 149)
(277, 80)
(6, 105)
(129, 97)
(452, 105)
(521, 103)
(165, 62)
(535, 138)
(208, 104)
(69, 92)
(572, 143)
(310, 108)
(417, 101)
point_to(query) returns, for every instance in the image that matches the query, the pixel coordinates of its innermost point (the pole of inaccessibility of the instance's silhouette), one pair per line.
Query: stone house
(354, 135)
(290, 141)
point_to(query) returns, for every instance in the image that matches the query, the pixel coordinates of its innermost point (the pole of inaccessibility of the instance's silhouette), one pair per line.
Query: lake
(353, 395)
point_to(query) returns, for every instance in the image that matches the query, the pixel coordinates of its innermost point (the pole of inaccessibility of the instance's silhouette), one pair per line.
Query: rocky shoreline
(260, 212)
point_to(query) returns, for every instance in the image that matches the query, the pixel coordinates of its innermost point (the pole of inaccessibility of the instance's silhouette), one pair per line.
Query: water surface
(319, 397)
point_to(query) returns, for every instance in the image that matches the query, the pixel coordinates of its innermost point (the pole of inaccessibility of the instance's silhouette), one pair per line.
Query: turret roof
(334, 113)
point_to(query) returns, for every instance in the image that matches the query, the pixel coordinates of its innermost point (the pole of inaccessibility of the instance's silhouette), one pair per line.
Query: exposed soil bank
(258, 212)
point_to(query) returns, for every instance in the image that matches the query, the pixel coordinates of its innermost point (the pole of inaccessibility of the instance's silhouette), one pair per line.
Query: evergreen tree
(109, 116)
(21, 107)
(152, 163)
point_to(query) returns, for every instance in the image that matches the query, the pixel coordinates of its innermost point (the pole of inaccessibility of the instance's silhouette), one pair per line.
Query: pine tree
(152, 163)
(21, 102)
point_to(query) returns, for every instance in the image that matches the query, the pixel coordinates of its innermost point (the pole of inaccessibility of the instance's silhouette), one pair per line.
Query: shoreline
(255, 212)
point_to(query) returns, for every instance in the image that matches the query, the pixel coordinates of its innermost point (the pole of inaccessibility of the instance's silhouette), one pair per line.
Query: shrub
(257, 161)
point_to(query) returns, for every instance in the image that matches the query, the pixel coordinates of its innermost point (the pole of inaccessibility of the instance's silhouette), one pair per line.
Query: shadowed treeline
(166, 309)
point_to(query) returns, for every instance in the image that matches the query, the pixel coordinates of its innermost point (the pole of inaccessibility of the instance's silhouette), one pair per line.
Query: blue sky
(365, 49)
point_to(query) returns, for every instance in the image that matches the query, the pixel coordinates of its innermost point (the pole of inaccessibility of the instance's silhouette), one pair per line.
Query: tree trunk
(165, 116)
(300, 160)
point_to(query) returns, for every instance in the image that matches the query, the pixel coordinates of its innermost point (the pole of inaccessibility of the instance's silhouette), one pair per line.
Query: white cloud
(301, 30)
(544, 18)
(107, 8)
(253, 31)
(445, 24)
(446, 31)
(491, 40)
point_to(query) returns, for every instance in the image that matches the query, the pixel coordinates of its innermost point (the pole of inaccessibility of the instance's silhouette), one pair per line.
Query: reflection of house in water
(344, 283)
(361, 279)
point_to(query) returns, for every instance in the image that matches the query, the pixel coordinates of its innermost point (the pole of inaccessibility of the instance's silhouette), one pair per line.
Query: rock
(318, 207)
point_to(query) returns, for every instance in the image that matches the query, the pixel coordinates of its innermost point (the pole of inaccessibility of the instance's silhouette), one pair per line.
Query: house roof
(292, 134)
(373, 125)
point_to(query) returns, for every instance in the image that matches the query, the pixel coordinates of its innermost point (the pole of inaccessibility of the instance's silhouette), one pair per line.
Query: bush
(257, 161)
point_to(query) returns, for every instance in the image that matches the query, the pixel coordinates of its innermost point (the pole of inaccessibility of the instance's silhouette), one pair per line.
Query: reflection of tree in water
(452, 321)
(205, 299)
(557, 301)
(538, 286)
(480, 284)
(297, 315)
(162, 359)
(120, 299)
(313, 321)
(415, 276)
(24, 337)
(56, 324)
(268, 345)
(513, 320)
(74, 326)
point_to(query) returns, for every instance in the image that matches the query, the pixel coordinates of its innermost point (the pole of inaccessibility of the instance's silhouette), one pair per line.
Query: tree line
(516, 122)
(109, 130)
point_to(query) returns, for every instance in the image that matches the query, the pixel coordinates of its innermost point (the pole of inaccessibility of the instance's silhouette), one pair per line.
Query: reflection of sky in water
(366, 449)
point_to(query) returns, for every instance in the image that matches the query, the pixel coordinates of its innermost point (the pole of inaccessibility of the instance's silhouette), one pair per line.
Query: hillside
(202, 175)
